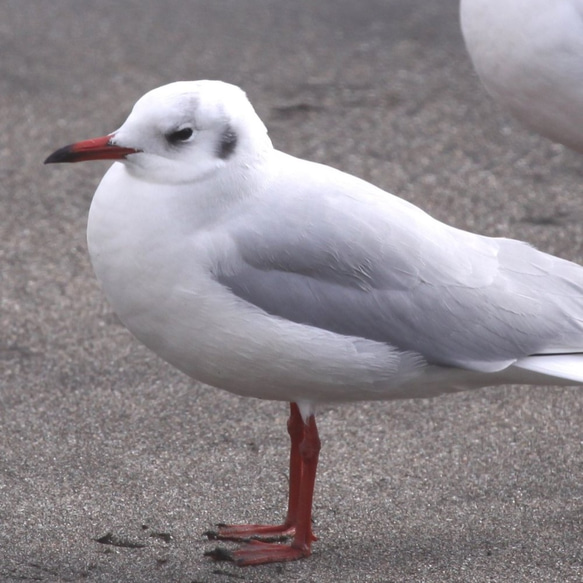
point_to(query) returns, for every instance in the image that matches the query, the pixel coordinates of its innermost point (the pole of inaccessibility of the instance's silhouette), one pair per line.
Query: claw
(220, 554)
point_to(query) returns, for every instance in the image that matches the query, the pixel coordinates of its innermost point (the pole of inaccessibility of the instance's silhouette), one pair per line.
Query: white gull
(274, 277)
(529, 56)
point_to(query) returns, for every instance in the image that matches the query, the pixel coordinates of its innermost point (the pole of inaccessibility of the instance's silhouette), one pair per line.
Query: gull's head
(179, 133)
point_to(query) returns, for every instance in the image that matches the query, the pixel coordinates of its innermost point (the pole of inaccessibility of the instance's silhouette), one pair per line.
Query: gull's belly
(198, 326)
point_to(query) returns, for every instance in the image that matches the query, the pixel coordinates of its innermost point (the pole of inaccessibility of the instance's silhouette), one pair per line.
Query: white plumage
(529, 55)
(278, 278)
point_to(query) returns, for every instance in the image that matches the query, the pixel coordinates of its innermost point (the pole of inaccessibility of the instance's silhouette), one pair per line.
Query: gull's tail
(565, 368)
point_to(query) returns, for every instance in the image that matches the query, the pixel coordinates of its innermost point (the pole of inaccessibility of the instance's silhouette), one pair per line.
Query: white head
(181, 132)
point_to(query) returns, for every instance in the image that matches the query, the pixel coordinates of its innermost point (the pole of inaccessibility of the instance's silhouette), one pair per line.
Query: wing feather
(342, 255)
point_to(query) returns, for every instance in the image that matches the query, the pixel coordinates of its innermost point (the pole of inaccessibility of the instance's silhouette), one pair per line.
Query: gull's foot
(259, 553)
(271, 533)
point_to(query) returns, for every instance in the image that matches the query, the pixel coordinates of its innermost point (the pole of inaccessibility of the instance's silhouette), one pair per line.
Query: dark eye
(179, 135)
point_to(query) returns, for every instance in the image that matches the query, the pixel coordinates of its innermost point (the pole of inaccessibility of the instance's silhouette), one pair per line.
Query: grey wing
(382, 269)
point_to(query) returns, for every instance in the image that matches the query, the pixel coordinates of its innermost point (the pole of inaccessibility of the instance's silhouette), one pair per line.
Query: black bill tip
(64, 154)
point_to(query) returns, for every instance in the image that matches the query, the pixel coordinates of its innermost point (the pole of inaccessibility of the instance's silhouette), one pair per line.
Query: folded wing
(347, 257)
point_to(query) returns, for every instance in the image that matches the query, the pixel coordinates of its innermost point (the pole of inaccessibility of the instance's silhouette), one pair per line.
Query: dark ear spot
(227, 144)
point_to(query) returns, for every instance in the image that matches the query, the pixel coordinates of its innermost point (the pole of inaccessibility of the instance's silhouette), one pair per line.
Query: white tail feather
(562, 366)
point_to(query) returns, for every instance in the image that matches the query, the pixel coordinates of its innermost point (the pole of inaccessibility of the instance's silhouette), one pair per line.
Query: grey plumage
(401, 277)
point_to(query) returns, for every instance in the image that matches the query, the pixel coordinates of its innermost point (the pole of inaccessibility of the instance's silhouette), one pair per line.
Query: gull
(529, 56)
(278, 278)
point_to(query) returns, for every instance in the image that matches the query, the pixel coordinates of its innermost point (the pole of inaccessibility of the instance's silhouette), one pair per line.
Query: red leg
(273, 532)
(299, 518)
(309, 452)
(295, 428)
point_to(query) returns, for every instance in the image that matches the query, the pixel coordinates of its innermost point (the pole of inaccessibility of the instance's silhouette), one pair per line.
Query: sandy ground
(101, 441)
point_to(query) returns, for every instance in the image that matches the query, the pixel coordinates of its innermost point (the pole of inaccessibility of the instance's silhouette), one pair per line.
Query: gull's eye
(181, 135)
